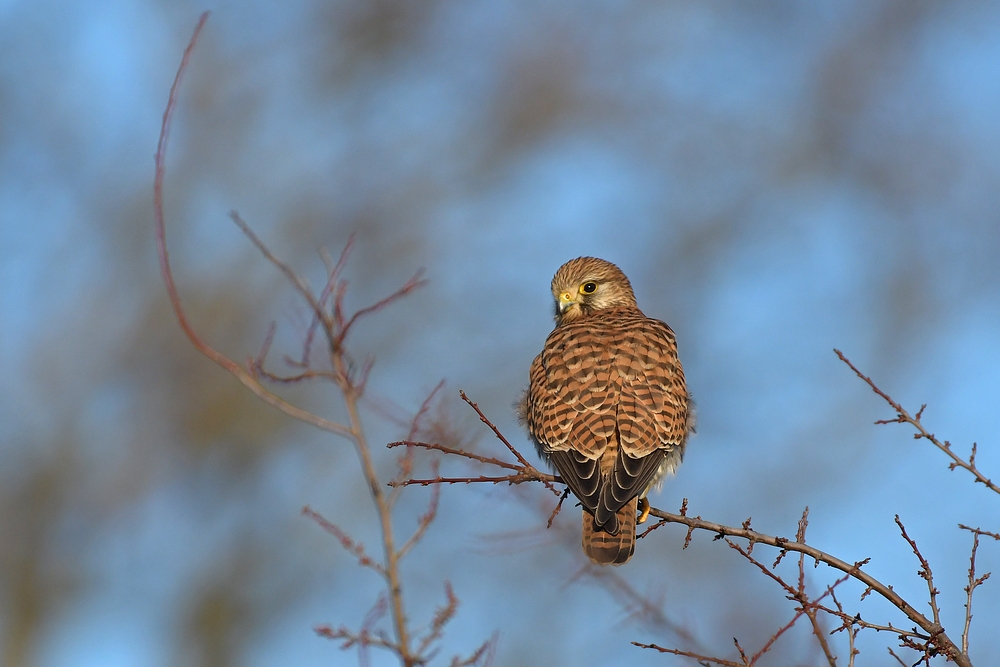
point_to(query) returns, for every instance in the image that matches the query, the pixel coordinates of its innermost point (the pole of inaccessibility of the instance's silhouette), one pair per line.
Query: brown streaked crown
(585, 285)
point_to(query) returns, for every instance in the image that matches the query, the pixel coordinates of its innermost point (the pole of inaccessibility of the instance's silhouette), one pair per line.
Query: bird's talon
(643, 510)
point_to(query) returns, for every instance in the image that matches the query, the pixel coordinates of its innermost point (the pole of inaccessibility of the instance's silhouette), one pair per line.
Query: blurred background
(776, 178)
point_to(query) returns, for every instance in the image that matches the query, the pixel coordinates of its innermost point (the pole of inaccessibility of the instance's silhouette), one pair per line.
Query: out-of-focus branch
(904, 417)
(702, 659)
(350, 380)
(355, 548)
(246, 377)
(424, 522)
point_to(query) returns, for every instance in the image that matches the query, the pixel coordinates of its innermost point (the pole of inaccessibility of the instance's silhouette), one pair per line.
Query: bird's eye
(589, 288)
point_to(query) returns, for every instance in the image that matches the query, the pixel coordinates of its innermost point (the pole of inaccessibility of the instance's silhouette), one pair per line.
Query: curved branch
(934, 630)
(247, 378)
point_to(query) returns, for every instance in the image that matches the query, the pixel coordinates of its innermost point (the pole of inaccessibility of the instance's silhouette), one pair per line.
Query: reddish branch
(247, 377)
(331, 319)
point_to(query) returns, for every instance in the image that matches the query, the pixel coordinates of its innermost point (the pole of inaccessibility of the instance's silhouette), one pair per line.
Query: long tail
(604, 548)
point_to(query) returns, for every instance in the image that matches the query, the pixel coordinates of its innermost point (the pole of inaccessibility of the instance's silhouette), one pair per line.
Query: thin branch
(297, 281)
(974, 583)
(391, 555)
(519, 478)
(555, 510)
(904, 417)
(852, 632)
(469, 455)
(934, 630)
(350, 638)
(355, 548)
(809, 608)
(924, 572)
(496, 431)
(484, 653)
(441, 617)
(980, 531)
(424, 522)
(898, 659)
(248, 379)
(848, 621)
(414, 283)
(704, 659)
(504, 440)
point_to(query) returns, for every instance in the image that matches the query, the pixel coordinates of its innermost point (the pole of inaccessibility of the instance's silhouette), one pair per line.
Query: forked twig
(248, 379)
(974, 583)
(349, 379)
(904, 417)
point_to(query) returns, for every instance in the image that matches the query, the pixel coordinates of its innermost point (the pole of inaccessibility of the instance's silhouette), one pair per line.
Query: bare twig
(935, 633)
(460, 452)
(350, 639)
(898, 659)
(924, 572)
(248, 379)
(424, 522)
(500, 436)
(414, 283)
(800, 594)
(974, 583)
(405, 462)
(555, 510)
(519, 478)
(904, 417)
(980, 531)
(703, 659)
(849, 626)
(355, 548)
(349, 379)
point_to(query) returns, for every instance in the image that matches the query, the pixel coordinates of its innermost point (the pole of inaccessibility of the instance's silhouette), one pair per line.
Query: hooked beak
(566, 301)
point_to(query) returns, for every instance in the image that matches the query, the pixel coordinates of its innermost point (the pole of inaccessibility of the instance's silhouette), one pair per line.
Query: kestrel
(607, 405)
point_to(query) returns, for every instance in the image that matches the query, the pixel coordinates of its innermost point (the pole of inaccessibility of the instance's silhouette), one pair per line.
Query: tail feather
(606, 548)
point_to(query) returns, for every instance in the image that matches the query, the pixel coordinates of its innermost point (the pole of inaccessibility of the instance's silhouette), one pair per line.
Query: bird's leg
(643, 510)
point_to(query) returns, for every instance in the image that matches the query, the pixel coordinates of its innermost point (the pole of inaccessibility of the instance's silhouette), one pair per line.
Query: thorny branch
(350, 379)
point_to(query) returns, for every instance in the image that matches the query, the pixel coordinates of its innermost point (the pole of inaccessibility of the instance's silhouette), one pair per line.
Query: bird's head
(585, 285)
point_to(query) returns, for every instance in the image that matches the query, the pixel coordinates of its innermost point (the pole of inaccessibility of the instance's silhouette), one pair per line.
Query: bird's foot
(643, 510)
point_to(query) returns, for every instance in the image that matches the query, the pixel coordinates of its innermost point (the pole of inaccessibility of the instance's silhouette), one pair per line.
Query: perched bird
(607, 405)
